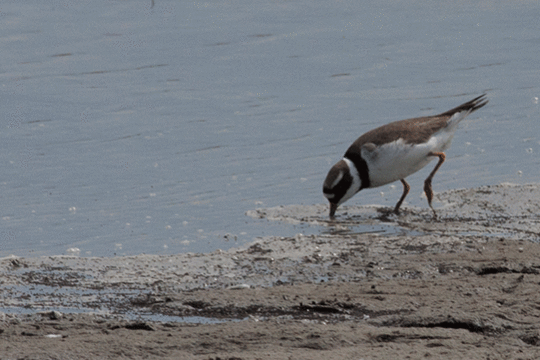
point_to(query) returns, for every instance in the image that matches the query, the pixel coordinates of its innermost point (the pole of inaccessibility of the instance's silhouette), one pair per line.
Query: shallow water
(504, 219)
(133, 129)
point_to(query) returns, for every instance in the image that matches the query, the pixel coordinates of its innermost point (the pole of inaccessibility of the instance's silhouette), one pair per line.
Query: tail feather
(469, 106)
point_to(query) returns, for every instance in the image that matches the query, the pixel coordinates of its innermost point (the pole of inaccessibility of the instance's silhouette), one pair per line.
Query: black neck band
(361, 167)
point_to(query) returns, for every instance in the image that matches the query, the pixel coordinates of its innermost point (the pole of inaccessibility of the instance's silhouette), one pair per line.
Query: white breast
(397, 160)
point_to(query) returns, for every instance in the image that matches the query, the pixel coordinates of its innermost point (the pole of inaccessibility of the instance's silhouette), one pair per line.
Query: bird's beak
(333, 208)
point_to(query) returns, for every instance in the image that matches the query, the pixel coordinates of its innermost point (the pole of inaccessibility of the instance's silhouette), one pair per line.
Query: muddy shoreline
(464, 286)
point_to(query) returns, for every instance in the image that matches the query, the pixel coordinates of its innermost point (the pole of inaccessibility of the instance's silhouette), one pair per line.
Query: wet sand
(465, 286)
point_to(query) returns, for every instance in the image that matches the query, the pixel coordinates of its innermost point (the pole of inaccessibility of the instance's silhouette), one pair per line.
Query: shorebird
(394, 151)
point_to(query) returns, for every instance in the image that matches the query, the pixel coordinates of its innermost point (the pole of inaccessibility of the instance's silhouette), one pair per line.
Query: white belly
(397, 160)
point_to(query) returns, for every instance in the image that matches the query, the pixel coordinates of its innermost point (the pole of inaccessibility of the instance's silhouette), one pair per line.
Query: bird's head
(341, 183)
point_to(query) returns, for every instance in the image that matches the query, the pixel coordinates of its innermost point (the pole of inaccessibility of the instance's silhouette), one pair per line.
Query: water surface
(129, 128)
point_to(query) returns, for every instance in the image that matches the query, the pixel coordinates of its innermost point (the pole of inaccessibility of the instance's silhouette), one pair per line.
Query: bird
(394, 151)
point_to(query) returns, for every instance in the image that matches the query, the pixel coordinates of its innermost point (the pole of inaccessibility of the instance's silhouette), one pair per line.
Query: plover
(394, 151)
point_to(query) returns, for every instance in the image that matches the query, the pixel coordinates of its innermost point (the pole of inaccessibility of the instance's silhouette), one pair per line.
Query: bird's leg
(406, 188)
(427, 183)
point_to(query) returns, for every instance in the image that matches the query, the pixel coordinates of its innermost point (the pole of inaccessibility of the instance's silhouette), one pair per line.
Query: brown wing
(417, 130)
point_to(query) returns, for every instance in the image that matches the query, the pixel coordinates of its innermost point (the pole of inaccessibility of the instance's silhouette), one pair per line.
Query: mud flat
(372, 285)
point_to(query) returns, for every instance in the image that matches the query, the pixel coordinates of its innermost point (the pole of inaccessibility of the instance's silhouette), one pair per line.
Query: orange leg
(427, 183)
(406, 188)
